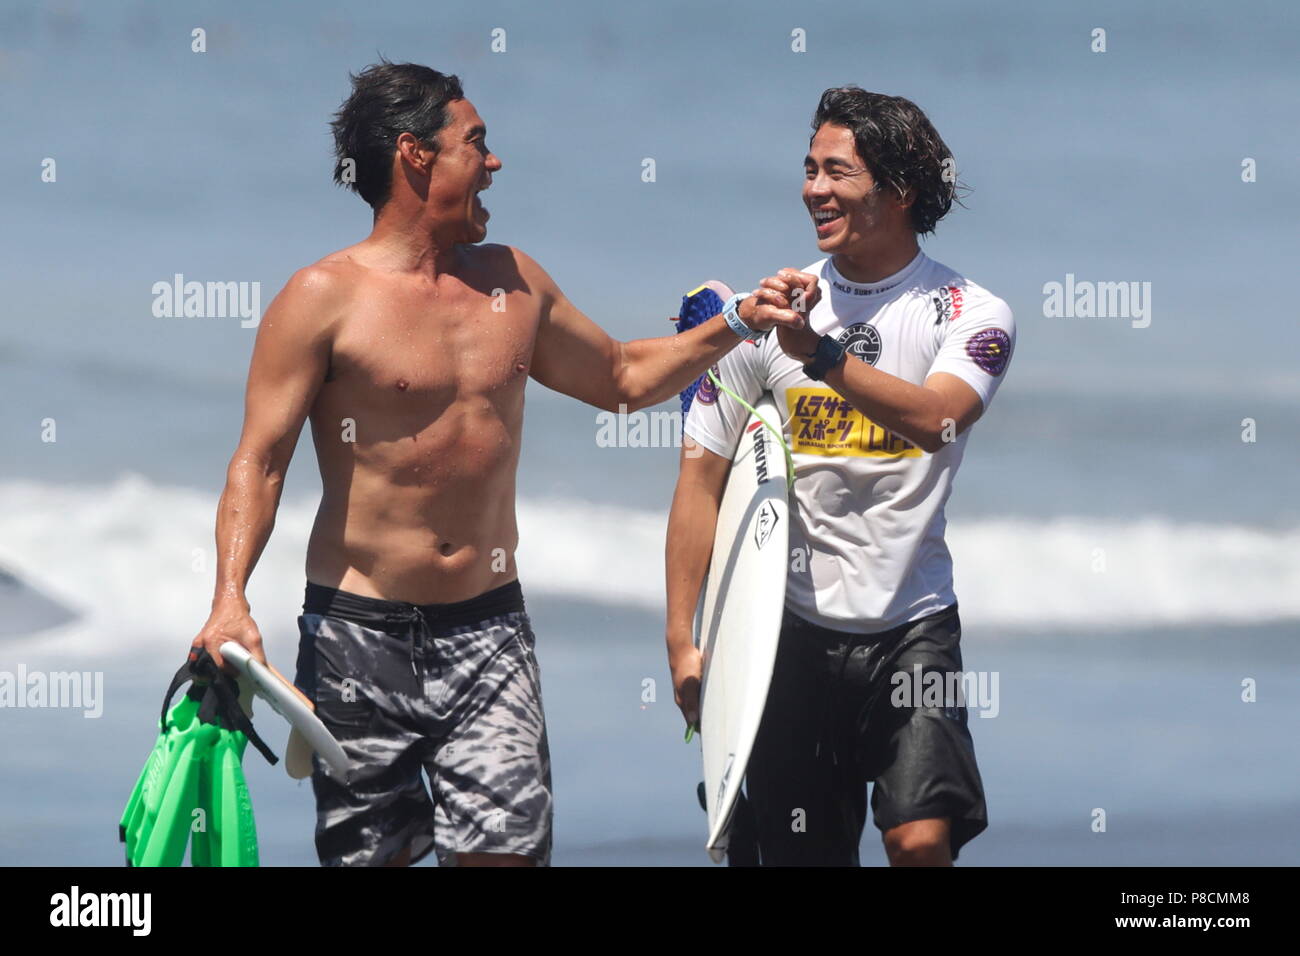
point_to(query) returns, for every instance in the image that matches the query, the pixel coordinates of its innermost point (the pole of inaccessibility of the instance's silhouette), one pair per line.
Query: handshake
(783, 302)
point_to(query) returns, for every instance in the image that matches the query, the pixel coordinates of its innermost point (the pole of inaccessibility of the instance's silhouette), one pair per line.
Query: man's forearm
(245, 518)
(913, 411)
(691, 526)
(654, 370)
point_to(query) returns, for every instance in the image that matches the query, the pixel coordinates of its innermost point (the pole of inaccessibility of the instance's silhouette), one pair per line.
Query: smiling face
(462, 169)
(849, 213)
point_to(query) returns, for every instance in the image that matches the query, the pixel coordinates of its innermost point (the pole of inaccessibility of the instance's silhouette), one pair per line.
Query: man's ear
(417, 154)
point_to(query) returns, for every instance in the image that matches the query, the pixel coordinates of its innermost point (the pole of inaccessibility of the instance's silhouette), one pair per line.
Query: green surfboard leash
(789, 458)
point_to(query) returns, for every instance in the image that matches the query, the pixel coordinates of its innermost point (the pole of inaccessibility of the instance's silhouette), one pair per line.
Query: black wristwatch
(829, 354)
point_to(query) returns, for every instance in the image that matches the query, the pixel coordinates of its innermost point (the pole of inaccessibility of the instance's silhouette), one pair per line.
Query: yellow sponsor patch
(823, 423)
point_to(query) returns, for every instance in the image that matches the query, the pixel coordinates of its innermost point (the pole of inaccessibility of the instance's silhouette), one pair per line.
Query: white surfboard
(739, 619)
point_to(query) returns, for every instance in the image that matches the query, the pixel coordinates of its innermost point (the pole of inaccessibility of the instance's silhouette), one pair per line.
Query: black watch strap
(828, 355)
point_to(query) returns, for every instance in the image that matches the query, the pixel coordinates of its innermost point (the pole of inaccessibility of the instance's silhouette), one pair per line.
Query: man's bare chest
(440, 347)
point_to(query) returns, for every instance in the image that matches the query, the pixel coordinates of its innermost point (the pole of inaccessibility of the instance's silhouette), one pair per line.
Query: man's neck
(405, 241)
(876, 263)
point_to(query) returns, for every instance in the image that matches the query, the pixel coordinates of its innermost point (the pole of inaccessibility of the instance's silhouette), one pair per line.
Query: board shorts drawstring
(418, 625)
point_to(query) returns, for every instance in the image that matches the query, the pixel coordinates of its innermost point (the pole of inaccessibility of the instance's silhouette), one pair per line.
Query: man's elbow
(633, 400)
(630, 392)
(927, 438)
(615, 400)
(249, 464)
(934, 436)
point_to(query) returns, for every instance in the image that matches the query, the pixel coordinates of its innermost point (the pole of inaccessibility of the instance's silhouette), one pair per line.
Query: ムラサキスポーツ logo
(861, 341)
(991, 349)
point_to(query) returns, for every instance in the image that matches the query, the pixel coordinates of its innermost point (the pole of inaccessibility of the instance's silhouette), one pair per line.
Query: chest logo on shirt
(861, 341)
(990, 348)
(823, 423)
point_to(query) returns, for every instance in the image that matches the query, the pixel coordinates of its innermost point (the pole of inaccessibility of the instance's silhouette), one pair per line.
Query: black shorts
(832, 724)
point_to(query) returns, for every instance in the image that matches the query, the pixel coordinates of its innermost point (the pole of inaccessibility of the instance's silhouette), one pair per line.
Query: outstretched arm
(575, 356)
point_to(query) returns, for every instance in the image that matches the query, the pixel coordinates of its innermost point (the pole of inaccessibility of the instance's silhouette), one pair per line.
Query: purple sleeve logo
(990, 349)
(708, 392)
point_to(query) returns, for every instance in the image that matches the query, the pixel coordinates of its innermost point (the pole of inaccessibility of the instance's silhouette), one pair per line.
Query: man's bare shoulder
(312, 302)
(333, 275)
(321, 289)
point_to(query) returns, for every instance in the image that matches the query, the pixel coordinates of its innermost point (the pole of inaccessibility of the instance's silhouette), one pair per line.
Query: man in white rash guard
(899, 356)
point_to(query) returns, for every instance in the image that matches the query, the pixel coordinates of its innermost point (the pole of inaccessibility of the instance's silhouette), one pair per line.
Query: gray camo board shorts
(451, 692)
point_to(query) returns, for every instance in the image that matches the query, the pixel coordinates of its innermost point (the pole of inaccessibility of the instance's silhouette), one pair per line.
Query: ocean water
(1145, 725)
(1124, 559)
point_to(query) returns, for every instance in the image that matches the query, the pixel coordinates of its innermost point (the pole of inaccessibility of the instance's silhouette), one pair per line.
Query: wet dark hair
(899, 146)
(388, 99)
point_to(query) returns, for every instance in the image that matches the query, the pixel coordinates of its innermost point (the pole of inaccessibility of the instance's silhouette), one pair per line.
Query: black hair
(388, 99)
(899, 146)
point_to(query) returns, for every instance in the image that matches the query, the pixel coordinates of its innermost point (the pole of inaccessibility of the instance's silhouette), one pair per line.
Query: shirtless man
(410, 351)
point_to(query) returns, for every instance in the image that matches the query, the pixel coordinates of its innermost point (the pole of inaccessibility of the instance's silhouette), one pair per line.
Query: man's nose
(819, 185)
(493, 162)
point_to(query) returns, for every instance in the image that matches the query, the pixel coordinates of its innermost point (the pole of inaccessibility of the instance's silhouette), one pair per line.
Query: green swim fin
(143, 827)
(193, 781)
(228, 836)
